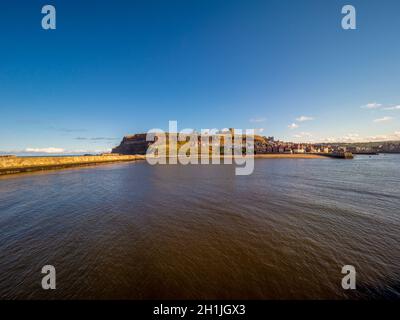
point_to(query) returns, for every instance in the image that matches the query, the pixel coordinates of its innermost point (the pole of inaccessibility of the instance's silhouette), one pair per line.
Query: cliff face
(135, 144)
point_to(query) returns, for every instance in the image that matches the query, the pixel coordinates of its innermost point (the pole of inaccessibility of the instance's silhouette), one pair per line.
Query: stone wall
(25, 164)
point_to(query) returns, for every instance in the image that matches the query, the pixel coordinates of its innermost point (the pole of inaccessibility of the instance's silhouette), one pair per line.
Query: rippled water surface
(135, 231)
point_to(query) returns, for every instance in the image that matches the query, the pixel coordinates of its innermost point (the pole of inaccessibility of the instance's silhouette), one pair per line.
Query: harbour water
(135, 231)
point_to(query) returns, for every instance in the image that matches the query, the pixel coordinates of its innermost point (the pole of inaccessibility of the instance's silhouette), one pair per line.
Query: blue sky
(113, 68)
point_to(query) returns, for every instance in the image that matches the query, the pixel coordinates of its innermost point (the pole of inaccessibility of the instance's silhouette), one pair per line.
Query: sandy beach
(289, 156)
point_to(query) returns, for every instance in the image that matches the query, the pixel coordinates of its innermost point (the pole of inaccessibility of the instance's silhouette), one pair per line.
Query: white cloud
(54, 151)
(304, 118)
(372, 105)
(293, 126)
(330, 139)
(384, 119)
(392, 108)
(354, 137)
(303, 135)
(381, 137)
(257, 120)
(83, 151)
(45, 150)
(351, 137)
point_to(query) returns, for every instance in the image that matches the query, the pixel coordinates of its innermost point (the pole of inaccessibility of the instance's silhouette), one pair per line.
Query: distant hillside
(376, 146)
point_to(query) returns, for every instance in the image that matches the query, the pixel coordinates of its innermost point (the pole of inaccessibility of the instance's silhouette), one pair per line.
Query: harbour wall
(10, 165)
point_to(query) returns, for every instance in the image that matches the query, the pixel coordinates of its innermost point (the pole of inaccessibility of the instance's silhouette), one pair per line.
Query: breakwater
(11, 165)
(339, 155)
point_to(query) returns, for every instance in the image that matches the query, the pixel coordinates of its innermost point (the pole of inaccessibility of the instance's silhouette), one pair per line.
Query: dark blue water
(135, 231)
